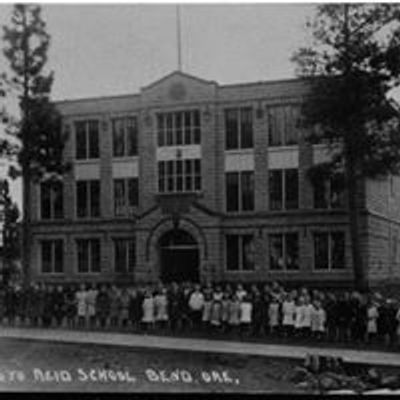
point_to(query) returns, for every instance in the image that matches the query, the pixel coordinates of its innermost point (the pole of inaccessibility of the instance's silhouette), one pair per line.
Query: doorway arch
(179, 256)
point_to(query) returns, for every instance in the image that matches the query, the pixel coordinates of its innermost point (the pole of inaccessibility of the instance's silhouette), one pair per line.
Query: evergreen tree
(39, 127)
(352, 65)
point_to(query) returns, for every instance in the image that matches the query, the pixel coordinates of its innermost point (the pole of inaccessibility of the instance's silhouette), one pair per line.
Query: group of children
(255, 310)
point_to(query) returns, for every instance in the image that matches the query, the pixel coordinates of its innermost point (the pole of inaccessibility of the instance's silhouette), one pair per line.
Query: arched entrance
(179, 257)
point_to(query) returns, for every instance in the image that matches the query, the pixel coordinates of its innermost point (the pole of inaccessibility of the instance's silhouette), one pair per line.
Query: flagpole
(178, 36)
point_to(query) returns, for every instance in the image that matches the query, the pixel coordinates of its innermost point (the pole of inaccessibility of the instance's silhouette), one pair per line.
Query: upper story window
(283, 125)
(51, 200)
(329, 193)
(88, 199)
(126, 195)
(179, 176)
(239, 191)
(87, 139)
(179, 128)
(283, 189)
(238, 128)
(125, 137)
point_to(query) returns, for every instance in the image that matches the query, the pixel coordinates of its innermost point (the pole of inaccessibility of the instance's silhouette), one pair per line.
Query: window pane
(170, 138)
(179, 127)
(45, 201)
(231, 129)
(120, 256)
(321, 252)
(337, 192)
(58, 256)
(197, 174)
(170, 176)
(188, 176)
(81, 199)
(161, 129)
(95, 255)
(133, 192)
(246, 129)
(320, 193)
(292, 251)
(338, 250)
(58, 200)
(132, 136)
(291, 189)
(93, 139)
(131, 255)
(188, 126)
(248, 252)
(119, 197)
(276, 261)
(179, 175)
(275, 190)
(247, 190)
(292, 114)
(274, 134)
(83, 255)
(118, 137)
(197, 127)
(232, 191)
(46, 256)
(95, 199)
(161, 176)
(80, 140)
(232, 252)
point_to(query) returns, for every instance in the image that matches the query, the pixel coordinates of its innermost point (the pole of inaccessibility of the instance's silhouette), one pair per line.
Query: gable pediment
(178, 87)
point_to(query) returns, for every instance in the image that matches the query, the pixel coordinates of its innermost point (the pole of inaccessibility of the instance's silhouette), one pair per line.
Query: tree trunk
(360, 281)
(26, 245)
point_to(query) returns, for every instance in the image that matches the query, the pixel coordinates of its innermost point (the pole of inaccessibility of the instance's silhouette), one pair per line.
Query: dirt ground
(46, 366)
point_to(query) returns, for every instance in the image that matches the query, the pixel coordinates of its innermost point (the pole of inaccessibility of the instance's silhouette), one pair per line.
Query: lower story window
(240, 252)
(284, 251)
(52, 255)
(329, 250)
(88, 251)
(124, 255)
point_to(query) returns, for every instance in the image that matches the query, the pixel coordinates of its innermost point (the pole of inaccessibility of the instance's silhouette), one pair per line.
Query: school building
(192, 180)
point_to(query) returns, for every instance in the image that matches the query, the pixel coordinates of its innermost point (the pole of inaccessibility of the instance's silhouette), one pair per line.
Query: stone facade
(203, 215)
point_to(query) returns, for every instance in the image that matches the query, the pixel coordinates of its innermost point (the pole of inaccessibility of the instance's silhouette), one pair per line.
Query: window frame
(240, 258)
(127, 241)
(130, 135)
(239, 123)
(127, 206)
(330, 251)
(240, 177)
(88, 204)
(53, 244)
(90, 241)
(284, 240)
(88, 148)
(283, 172)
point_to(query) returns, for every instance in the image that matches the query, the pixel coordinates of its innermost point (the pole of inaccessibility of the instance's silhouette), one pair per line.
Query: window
(240, 191)
(282, 125)
(88, 251)
(179, 176)
(87, 139)
(124, 255)
(283, 189)
(125, 137)
(239, 128)
(126, 195)
(240, 252)
(178, 128)
(52, 256)
(284, 251)
(88, 199)
(51, 200)
(329, 250)
(329, 193)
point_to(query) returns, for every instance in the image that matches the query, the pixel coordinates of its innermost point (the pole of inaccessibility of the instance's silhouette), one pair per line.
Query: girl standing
(148, 311)
(288, 312)
(161, 308)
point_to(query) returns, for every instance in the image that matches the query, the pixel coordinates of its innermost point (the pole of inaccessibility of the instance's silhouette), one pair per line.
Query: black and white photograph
(200, 198)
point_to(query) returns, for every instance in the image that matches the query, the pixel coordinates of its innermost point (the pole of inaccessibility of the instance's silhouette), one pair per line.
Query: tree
(11, 231)
(352, 64)
(39, 126)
